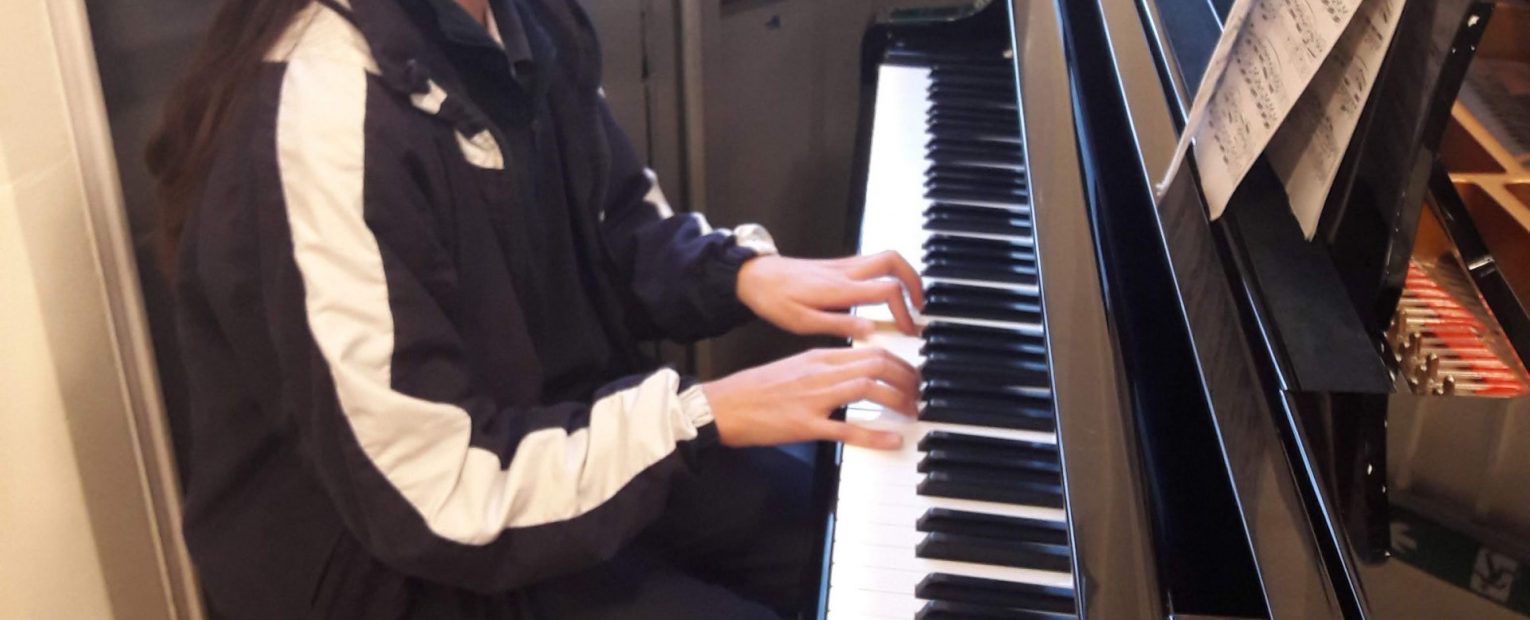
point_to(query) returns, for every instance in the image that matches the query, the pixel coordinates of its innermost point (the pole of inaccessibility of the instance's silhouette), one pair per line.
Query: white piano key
(869, 579)
(855, 603)
(880, 478)
(1025, 240)
(857, 506)
(902, 345)
(865, 496)
(1018, 206)
(896, 559)
(1032, 329)
(852, 513)
(895, 199)
(1008, 286)
(877, 417)
(903, 536)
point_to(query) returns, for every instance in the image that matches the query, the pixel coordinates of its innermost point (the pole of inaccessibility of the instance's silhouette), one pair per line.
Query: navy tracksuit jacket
(409, 304)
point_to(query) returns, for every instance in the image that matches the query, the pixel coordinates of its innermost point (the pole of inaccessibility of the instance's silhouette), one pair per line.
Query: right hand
(790, 400)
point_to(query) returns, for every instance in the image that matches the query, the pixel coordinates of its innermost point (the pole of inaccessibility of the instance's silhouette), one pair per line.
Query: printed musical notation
(1275, 55)
(1307, 150)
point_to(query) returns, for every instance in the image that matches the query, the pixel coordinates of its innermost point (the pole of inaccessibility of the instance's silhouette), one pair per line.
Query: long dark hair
(207, 98)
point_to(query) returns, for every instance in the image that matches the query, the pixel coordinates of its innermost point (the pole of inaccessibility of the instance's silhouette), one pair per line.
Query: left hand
(805, 296)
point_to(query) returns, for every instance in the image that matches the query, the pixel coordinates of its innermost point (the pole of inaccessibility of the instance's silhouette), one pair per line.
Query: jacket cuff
(693, 401)
(720, 288)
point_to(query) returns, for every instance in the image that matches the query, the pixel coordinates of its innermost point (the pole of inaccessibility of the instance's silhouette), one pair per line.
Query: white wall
(49, 567)
(48, 562)
(82, 534)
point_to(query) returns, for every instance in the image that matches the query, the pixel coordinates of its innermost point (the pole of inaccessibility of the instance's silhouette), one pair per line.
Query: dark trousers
(736, 541)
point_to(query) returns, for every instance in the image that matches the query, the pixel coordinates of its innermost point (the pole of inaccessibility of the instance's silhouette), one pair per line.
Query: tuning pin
(1448, 386)
(1410, 346)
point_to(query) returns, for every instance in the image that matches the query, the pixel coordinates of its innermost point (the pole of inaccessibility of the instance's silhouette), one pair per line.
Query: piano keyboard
(967, 519)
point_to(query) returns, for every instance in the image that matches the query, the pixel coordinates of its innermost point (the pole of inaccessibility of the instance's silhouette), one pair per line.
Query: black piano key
(989, 419)
(938, 269)
(997, 77)
(910, 51)
(975, 102)
(944, 610)
(999, 222)
(976, 183)
(957, 153)
(976, 247)
(999, 464)
(1012, 199)
(938, 393)
(994, 272)
(1010, 452)
(1023, 266)
(1010, 174)
(912, 48)
(956, 334)
(950, 364)
(994, 552)
(1008, 400)
(996, 216)
(1007, 174)
(981, 302)
(1015, 263)
(956, 356)
(977, 487)
(959, 156)
(995, 468)
(974, 65)
(998, 146)
(1002, 144)
(951, 112)
(972, 224)
(993, 526)
(969, 130)
(984, 295)
(942, 89)
(976, 134)
(978, 177)
(997, 85)
(939, 366)
(991, 395)
(1013, 595)
(993, 127)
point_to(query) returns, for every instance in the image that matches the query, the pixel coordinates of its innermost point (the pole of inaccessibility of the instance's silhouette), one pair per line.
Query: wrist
(752, 273)
(719, 394)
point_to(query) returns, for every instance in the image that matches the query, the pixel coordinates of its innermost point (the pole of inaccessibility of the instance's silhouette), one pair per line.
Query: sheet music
(1276, 48)
(1307, 150)
(1211, 81)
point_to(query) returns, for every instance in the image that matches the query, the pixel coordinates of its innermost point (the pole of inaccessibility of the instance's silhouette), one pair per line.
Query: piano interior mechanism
(1132, 411)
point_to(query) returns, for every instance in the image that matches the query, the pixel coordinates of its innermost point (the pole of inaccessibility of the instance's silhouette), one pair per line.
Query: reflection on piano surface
(1130, 411)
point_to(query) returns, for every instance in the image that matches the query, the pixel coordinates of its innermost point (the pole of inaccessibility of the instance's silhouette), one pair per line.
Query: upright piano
(1132, 411)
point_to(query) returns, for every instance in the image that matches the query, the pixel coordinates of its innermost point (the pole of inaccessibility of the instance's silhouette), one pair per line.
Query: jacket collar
(395, 30)
(458, 27)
